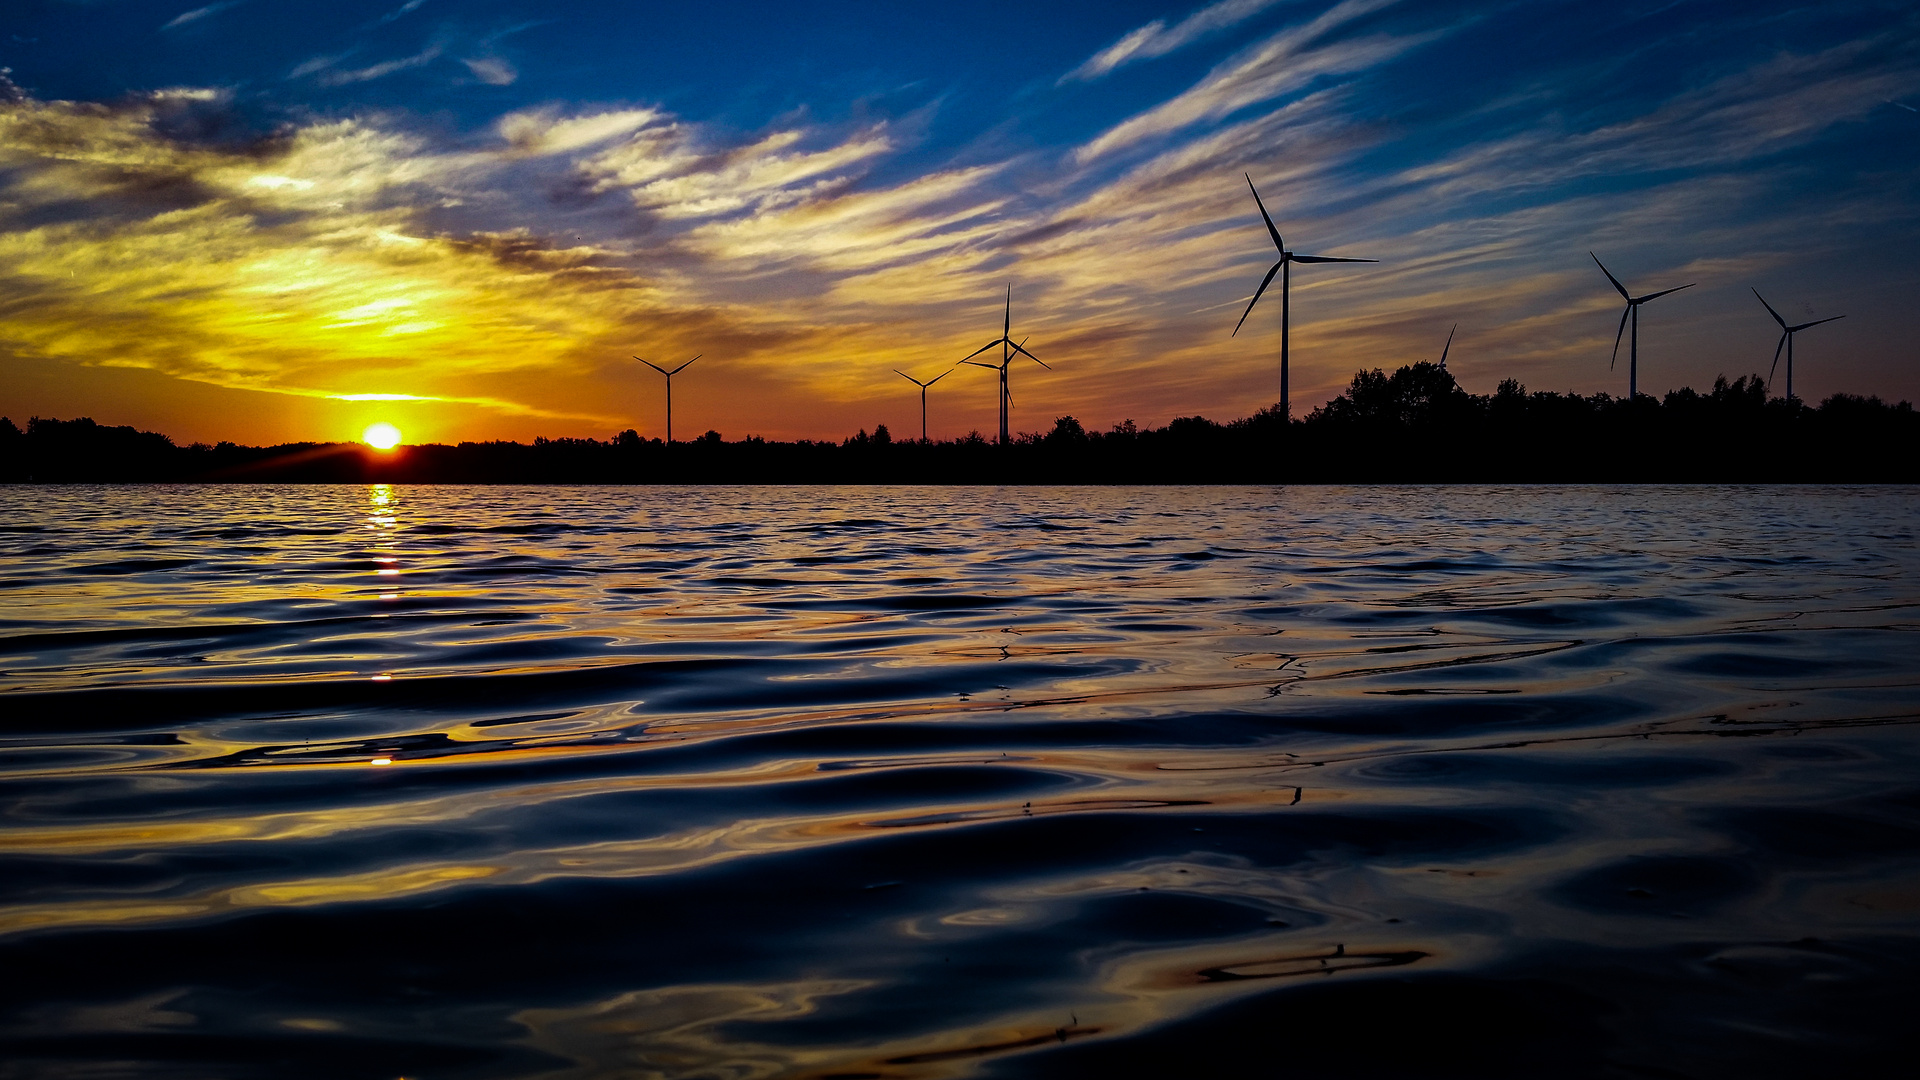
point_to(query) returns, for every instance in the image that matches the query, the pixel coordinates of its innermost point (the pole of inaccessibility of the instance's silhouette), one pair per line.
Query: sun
(381, 436)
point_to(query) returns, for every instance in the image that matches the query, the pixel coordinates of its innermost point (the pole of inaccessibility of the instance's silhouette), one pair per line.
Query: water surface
(768, 782)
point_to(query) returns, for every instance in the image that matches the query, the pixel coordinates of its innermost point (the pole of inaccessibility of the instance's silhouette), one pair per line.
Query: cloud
(317, 64)
(378, 259)
(666, 171)
(382, 397)
(323, 263)
(1286, 62)
(491, 70)
(543, 131)
(332, 77)
(400, 12)
(197, 14)
(1154, 39)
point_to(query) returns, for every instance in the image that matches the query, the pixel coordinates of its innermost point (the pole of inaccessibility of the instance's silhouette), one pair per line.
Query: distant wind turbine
(923, 395)
(1786, 340)
(669, 375)
(1008, 350)
(1633, 311)
(1285, 269)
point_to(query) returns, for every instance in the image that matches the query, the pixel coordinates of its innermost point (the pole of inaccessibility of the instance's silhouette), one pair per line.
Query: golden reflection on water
(378, 699)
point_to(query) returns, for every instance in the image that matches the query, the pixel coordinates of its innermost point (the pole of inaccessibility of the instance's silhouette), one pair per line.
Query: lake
(344, 781)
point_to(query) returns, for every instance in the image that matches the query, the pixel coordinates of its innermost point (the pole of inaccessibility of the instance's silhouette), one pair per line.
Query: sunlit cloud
(1285, 62)
(543, 131)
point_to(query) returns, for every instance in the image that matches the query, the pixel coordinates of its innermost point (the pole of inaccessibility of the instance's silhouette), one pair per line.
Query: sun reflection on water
(1069, 776)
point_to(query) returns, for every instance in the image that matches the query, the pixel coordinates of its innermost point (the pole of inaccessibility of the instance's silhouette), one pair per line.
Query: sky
(272, 220)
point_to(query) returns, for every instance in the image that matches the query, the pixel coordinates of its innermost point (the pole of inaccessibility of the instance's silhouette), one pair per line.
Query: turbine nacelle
(917, 382)
(1633, 302)
(669, 375)
(1786, 339)
(664, 371)
(1009, 349)
(1285, 257)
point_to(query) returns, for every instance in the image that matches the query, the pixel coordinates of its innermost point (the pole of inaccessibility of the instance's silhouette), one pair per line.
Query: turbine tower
(1285, 269)
(1008, 351)
(669, 375)
(1786, 340)
(1633, 311)
(923, 395)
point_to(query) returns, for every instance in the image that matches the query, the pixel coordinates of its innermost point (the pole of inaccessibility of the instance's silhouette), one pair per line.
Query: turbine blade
(683, 367)
(1776, 355)
(1278, 244)
(1616, 281)
(652, 365)
(1006, 326)
(1769, 307)
(980, 350)
(1663, 292)
(909, 378)
(1022, 350)
(1804, 325)
(976, 363)
(1616, 337)
(1443, 352)
(1268, 280)
(1326, 258)
(938, 377)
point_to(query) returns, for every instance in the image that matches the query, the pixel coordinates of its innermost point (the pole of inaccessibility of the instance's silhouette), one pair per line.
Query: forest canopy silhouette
(1414, 426)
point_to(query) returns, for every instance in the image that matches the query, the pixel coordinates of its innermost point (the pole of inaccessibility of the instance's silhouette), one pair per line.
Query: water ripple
(574, 782)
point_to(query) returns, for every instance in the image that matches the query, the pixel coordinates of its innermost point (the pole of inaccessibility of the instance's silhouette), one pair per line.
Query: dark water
(736, 782)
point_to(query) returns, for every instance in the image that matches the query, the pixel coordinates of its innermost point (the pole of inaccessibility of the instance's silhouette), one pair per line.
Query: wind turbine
(1786, 340)
(669, 375)
(1287, 259)
(923, 395)
(1633, 311)
(1008, 350)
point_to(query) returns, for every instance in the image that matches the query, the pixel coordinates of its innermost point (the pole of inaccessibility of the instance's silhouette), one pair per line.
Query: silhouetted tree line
(1416, 425)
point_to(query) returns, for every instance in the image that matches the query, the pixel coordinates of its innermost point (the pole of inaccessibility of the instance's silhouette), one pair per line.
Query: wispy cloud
(545, 131)
(331, 76)
(1286, 62)
(400, 12)
(1156, 39)
(492, 70)
(197, 14)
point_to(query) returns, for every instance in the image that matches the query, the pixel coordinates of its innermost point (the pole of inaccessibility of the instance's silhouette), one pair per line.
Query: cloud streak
(506, 271)
(187, 18)
(1286, 62)
(1157, 39)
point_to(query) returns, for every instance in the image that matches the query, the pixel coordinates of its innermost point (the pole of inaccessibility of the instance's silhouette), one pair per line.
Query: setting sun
(381, 436)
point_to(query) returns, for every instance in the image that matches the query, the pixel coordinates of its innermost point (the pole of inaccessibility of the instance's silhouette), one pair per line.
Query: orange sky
(366, 266)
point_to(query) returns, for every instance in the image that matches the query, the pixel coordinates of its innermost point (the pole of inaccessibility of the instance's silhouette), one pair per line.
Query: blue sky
(260, 220)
